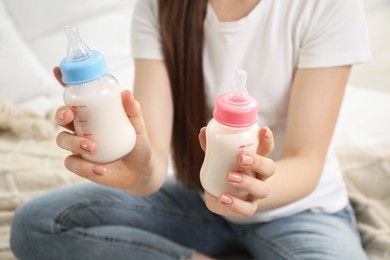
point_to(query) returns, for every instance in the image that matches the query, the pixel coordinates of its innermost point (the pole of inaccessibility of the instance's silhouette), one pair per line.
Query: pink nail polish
(235, 177)
(61, 114)
(88, 146)
(225, 199)
(247, 160)
(99, 169)
(267, 133)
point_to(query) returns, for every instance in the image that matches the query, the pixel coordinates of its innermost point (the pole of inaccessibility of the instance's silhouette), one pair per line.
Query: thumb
(267, 143)
(58, 75)
(202, 138)
(133, 111)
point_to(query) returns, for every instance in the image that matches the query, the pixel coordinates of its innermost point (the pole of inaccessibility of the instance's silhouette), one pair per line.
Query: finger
(58, 75)
(133, 111)
(111, 175)
(258, 164)
(257, 188)
(202, 138)
(266, 142)
(64, 117)
(85, 169)
(75, 144)
(227, 205)
(76, 164)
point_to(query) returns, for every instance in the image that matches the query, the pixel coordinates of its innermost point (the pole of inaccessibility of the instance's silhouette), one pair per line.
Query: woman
(298, 55)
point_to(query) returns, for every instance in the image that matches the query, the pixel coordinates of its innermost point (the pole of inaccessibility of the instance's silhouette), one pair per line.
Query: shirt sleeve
(145, 31)
(337, 35)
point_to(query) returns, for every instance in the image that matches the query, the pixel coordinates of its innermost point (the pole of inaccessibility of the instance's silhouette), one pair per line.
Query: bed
(31, 163)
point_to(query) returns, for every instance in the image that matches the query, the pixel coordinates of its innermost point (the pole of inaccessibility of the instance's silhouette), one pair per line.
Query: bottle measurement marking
(78, 107)
(81, 123)
(95, 115)
(242, 147)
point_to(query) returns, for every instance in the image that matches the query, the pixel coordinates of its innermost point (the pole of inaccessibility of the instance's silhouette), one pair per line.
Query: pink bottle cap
(236, 108)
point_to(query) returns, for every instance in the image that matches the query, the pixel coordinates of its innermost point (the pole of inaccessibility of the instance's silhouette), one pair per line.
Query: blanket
(31, 163)
(367, 175)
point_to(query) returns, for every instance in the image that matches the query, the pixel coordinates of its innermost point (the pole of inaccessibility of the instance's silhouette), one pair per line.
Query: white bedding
(32, 42)
(364, 118)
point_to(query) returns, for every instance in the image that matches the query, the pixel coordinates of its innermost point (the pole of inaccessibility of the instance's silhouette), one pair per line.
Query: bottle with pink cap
(233, 130)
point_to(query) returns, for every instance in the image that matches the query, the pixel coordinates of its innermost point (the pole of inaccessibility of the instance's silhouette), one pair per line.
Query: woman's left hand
(261, 167)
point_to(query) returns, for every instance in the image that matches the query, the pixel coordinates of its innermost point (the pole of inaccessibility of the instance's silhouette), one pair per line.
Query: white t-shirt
(276, 38)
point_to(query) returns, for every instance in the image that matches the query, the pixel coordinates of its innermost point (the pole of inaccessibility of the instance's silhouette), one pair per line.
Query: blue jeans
(88, 221)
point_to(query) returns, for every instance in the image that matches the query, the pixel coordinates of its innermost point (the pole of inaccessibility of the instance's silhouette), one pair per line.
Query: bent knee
(31, 222)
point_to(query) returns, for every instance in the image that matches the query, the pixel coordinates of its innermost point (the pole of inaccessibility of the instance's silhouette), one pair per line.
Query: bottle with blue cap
(94, 95)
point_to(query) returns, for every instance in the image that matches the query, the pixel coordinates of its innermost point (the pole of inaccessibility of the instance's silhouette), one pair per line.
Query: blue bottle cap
(81, 64)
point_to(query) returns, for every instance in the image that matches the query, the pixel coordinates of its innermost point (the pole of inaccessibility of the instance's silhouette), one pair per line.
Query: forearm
(313, 109)
(157, 111)
(295, 177)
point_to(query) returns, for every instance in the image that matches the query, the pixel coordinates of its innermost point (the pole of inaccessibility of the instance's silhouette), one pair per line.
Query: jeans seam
(274, 247)
(125, 242)
(58, 228)
(348, 216)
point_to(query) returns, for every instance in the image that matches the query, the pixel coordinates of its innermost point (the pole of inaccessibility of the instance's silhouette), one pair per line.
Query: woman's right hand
(132, 172)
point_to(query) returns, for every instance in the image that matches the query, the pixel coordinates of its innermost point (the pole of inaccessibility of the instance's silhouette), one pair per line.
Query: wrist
(151, 177)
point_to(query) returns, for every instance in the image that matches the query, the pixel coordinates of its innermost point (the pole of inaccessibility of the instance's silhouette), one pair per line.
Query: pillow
(103, 25)
(39, 17)
(22, 76)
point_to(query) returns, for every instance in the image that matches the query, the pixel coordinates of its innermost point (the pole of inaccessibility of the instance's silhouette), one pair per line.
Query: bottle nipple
(238, 95)
(236, 108)
(77, 49)
(81, 64)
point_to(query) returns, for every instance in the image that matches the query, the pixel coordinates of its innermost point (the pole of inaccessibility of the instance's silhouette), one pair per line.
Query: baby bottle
(232, 131)
(95, 98)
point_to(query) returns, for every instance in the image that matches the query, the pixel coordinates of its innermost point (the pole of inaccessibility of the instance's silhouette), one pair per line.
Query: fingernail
(235, 177)
(88, 146)
(61, 114)
(247, 160)
(225, 199)
(99, 169)
(267, 132)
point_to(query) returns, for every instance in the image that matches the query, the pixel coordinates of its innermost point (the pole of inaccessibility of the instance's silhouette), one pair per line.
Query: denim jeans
(88, 221)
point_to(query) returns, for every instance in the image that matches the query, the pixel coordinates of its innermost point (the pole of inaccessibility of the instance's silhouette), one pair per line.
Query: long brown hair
(181, 28)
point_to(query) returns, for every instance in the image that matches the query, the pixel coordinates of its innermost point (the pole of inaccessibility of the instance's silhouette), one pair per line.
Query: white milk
(224, 144)
(100, 116)
(95, 98)
(232, 131)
